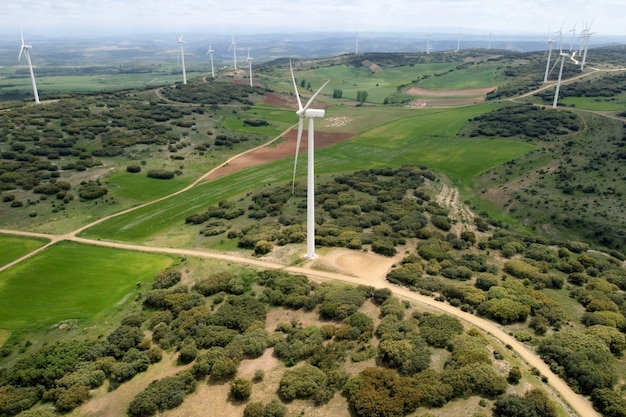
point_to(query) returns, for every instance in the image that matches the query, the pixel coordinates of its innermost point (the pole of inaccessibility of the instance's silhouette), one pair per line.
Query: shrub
(133, 168)
(240, 389)
(301, 382)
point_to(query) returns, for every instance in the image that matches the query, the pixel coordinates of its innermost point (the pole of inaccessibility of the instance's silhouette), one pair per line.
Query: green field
(13, 247)
(72, 281)
(427, 138)
(615, 103)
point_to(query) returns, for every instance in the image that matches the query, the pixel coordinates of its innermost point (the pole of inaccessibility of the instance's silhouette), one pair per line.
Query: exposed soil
(263, 155)
(467, 92)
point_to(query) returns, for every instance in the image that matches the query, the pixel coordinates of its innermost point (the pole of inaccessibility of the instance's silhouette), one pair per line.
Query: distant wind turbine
(571, 44)
(249, 59)
(356, 44)
(25, 49)
(458, 43)
(233, 46)
(550, 41)
(210, 54)
(428, 43)
(310, 114)
(181, 50)
(585, 34)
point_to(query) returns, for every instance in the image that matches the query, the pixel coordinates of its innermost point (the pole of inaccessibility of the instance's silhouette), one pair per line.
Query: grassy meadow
(72, 282)
(13, 247)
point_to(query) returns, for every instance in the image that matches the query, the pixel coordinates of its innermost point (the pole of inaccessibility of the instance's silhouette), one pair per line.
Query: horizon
(86, 19)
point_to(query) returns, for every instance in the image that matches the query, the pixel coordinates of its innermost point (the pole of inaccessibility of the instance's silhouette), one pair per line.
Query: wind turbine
(558, 82)
(571, 43)
(310, 114)
(249, 59)
(210, 54)
(181, 50)
(458, 43)
(550, 41)
(585, 34)
(25, 49)
(233, 46)
(356, 44)
(428, 43)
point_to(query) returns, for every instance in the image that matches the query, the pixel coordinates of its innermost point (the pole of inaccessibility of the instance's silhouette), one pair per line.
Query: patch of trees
(161, 174)
(583, 360)
(162, 395)
(381, 208)
(525, 120)
(91, 190)
(213, 93)
(534, 403)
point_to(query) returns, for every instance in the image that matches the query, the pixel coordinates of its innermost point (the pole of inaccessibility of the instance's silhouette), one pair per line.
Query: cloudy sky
(71, 17)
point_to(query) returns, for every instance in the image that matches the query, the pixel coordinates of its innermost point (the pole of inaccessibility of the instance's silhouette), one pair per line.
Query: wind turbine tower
(545, 77)
(25, 49)
(233, 46)
(181, 50)
(458, 43)
(586, 34)
(249, 59)
(428, 43)
(356, 44)
(210, 54)
(558, 82)
(311, 115)
(571, 43)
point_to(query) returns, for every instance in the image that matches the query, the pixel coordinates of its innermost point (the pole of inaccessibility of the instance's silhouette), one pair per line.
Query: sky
(120, 17)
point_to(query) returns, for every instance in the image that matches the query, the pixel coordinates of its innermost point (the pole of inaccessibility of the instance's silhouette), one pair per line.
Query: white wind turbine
(210, 54)
(458, 43)
(181, 50)
(233, 46)
(550, 41)
(25, 49)
(356, 44)
(249, 59)
(558, 82)
(585, 35)
(310, 114)
(571, 43)
(428, 43)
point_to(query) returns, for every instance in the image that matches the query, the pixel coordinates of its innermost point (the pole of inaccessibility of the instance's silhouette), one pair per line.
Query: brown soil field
(468, 92)
(281, 150)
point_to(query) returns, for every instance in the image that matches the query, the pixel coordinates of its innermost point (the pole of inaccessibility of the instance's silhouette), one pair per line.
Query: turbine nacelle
(311, 113)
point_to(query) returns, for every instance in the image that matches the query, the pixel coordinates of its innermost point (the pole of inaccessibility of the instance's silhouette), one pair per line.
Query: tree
(337, 93)
(361, 96)
(240, 389)
(301, 382)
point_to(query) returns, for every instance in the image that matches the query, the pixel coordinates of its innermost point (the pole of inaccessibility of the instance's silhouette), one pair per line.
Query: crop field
(12, 247)
(80, 83)
(71, 281)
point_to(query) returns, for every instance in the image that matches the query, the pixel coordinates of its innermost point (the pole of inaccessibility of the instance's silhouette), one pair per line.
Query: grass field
(616, 103)
(12, 247)
(71, 281)
(401, 142)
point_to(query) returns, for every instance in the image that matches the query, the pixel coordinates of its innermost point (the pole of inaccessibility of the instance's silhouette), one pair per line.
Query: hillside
(502, 211)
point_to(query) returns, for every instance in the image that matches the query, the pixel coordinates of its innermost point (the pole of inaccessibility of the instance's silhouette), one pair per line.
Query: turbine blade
(19, 57)
(295, 162)
(293, 78)
(308, 103)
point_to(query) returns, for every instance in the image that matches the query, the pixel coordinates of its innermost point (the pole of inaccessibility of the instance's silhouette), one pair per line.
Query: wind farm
(456, 237)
